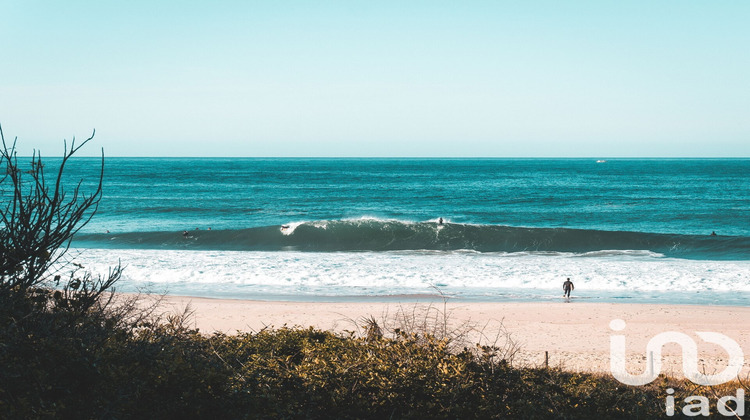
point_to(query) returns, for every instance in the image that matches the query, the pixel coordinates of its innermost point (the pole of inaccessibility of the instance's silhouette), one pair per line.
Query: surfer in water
(440, 221)
(567, 288)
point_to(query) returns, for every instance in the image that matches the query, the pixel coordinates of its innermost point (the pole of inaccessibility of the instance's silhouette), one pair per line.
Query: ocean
(623, 230)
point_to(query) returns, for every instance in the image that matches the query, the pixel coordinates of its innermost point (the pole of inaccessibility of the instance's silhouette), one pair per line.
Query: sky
(379, 78)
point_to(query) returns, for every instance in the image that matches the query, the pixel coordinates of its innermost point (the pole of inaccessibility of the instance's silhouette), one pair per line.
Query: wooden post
(546, 359)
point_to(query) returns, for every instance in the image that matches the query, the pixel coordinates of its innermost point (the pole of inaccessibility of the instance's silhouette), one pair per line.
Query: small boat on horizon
(601, 161)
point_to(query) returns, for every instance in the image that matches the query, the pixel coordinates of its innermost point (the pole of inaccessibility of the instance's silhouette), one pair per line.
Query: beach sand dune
(575, 336)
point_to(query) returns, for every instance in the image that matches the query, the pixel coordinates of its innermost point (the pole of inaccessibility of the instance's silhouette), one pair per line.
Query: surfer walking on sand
(567, 288)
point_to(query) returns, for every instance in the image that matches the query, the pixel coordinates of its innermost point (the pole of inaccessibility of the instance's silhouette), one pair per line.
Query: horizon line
(604, 158)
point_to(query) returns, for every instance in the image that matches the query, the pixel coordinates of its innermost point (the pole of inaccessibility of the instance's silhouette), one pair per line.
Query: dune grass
(112, 361)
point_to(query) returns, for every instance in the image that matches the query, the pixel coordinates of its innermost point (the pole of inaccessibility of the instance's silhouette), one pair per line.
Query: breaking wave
(368, 234)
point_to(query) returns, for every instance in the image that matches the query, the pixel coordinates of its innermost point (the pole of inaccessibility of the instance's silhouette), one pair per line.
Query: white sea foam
(289, 228)
(488, 276)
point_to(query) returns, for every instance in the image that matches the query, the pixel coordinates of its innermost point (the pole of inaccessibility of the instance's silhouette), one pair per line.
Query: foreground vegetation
(59, 363)
(70, 348)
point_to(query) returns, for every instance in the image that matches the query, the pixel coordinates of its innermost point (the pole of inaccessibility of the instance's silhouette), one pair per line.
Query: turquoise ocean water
(513, 229)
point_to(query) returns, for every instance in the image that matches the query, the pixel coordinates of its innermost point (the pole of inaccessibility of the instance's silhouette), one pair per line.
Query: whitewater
(608, 276)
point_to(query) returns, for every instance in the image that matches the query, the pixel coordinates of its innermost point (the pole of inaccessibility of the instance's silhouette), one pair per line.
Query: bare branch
(38, 224)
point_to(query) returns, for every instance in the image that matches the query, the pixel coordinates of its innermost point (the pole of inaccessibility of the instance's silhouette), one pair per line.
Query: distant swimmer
(440, 221)
(284, 227)
(567, 288)
(713, 233)
(185, 234)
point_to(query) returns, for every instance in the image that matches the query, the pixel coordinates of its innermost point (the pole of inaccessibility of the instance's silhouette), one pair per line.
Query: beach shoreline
(575, 336)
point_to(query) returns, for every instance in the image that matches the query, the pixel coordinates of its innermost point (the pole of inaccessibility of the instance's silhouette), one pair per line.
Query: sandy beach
(575, 335)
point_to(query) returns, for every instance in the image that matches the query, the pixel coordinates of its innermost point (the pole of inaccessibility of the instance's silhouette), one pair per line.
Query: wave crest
(370, 234)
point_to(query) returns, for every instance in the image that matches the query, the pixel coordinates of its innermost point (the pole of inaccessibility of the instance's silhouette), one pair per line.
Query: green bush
(56, 365)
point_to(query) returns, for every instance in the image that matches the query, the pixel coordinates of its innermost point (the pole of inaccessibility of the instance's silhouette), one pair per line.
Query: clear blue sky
(379, 78)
